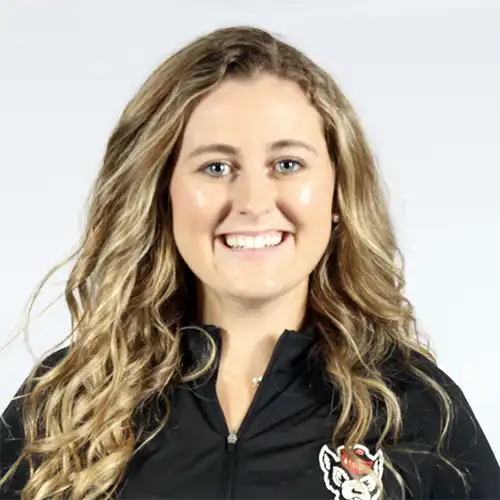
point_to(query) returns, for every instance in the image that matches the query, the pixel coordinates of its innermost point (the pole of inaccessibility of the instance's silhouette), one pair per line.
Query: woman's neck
(250, 330)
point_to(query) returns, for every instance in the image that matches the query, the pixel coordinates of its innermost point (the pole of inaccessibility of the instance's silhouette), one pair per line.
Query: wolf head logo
(340, 473)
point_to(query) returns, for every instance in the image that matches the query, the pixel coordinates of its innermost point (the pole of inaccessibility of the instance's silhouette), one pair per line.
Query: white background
(423, 75)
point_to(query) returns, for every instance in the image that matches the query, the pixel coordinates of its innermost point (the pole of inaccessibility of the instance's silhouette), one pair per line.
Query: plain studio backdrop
(424, 77)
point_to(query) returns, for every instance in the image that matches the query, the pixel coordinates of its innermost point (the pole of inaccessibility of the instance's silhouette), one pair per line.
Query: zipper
(232, 437)
(231, 443)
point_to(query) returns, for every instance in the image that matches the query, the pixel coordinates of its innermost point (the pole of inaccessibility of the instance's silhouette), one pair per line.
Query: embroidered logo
(339, 473)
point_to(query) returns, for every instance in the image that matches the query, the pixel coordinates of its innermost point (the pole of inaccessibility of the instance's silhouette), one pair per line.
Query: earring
(335, 218)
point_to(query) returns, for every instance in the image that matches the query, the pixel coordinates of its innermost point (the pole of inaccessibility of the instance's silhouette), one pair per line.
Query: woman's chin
(254, 294)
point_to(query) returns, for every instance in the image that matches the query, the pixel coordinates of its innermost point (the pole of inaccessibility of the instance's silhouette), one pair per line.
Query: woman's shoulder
(11, 415)
(416, 373)
(51, 360)
(11, 425)
(430, 396)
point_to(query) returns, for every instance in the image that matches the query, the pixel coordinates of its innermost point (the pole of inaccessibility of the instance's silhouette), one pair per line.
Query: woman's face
(252, 190)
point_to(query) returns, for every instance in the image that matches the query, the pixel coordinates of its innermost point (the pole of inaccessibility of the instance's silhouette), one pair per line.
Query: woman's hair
(129, 291)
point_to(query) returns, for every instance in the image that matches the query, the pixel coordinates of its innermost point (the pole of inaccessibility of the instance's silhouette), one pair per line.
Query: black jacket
(283, 445)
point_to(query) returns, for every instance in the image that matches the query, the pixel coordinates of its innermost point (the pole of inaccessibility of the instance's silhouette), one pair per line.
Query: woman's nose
(253, 194)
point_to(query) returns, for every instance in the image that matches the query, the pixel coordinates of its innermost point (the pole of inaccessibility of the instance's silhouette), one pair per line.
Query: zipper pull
(232, 439)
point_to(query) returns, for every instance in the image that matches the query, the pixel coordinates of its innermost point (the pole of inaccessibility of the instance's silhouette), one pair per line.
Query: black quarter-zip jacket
(283, 446)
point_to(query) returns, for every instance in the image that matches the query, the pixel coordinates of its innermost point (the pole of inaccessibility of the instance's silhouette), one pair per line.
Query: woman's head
(167, 196)
(294, 155)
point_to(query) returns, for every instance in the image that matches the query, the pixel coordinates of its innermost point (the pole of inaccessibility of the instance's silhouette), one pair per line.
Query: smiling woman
(240, 323)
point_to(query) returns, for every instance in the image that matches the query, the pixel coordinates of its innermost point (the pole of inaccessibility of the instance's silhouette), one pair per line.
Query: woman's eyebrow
(232, 150)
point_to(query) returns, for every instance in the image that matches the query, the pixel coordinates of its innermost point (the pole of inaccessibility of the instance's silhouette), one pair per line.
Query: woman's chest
(284, 451)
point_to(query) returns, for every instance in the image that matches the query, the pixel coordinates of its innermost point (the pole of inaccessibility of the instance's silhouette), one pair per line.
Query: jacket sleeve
(468, 449)
(12, 435)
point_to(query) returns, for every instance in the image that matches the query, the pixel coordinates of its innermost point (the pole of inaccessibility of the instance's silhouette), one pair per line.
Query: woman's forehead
(254, 112)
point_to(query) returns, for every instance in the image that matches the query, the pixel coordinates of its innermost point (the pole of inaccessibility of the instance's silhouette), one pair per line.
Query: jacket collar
(292, 349)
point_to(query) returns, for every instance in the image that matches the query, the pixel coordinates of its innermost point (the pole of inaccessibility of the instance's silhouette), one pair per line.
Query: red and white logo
(340, 473)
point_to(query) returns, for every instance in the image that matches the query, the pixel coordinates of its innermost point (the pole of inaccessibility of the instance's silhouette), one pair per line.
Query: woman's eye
(288, 166)
(217, 169)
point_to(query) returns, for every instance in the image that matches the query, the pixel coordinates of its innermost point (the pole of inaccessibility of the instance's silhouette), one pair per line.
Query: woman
(240, 327)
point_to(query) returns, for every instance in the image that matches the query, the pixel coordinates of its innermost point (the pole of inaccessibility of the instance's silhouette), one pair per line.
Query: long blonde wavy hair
(129, 291)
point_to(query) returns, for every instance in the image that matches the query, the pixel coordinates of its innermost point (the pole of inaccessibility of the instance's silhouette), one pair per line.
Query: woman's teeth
(243, 242)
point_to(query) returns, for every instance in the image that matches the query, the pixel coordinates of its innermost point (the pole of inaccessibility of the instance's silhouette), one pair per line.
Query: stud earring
(335, 218)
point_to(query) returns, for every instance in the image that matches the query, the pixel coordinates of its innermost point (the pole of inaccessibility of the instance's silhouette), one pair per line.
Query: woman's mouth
(255, 244)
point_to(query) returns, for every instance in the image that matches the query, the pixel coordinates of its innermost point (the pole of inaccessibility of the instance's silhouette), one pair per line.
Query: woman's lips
(250, 253)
